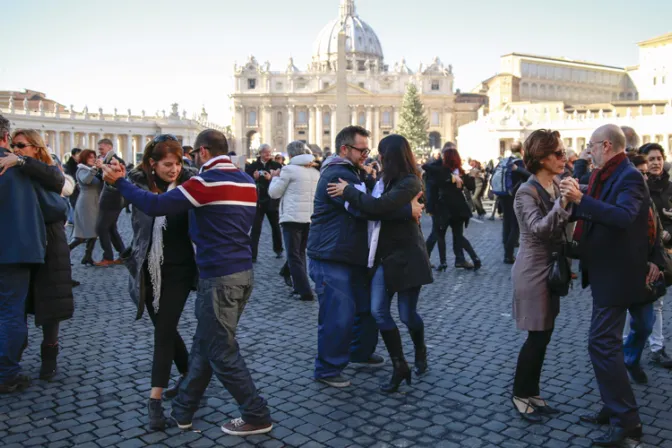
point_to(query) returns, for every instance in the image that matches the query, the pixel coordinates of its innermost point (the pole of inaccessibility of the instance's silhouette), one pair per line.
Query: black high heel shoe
(401, 371)
(477, 264)
(544, 409)
(532, 417)
(442, 267)
(87, 261)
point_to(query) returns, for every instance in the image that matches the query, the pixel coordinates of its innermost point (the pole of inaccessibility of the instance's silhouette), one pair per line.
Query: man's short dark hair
(187, 149)
(105, 141)
(5, 126)
(75, 151)
(214, 141)
(347, 136)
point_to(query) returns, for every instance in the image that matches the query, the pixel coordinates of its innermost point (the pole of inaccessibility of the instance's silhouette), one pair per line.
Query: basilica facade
(277, 107)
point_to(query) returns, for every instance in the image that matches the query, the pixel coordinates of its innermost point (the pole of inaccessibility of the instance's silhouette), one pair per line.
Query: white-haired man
(260, 170)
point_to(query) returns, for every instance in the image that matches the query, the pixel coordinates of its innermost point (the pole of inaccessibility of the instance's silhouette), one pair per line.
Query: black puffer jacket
(50, 295)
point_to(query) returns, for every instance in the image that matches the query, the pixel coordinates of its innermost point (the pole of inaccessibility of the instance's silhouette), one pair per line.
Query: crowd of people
(351, 224)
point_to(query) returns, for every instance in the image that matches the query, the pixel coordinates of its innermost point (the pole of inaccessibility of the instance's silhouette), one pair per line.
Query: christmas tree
(412, 120)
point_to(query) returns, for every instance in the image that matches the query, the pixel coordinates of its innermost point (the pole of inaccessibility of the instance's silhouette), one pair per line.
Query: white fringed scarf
(155, 256)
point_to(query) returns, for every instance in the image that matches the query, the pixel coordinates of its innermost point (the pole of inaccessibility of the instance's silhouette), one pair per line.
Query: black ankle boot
(49, 366)
(157, 421)
(418, 337)
(401, 371)
(172, 392)
(88, 254)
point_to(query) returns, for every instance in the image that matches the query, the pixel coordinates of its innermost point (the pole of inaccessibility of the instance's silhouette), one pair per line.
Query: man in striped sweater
(223, 202)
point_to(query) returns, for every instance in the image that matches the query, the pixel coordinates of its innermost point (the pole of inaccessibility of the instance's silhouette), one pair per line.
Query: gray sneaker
(335, 381)
(661, 358)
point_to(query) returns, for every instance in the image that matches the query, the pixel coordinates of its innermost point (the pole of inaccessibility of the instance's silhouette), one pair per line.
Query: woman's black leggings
(530, 363)
(460, 242)
(168, 344)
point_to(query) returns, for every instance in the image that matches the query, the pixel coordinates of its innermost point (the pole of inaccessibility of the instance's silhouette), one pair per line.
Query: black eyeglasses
(365, 151)
(193, 152)
(19, 145)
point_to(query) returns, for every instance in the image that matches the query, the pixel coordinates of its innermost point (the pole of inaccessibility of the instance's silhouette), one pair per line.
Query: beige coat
(540, 231)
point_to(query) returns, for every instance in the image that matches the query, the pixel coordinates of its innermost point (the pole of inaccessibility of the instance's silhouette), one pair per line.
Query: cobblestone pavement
(99, 396)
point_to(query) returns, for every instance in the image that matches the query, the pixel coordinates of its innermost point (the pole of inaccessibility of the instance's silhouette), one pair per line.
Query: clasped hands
(570, 191)
(336, 189)
(113, 172)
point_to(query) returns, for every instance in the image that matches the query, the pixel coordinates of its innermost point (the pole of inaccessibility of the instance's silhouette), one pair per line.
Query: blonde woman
(50, 295)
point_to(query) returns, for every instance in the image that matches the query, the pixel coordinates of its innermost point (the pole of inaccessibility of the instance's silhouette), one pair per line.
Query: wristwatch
(21, 160)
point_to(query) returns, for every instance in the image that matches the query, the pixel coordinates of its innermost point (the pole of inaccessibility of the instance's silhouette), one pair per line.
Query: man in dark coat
(110, 205)
(338, 252)
(260, 170)
(70, 169)
(510, 228)
(22, 216)
(613, 233)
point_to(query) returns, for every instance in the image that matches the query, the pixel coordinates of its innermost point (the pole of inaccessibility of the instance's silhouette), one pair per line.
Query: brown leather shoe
(238, 427)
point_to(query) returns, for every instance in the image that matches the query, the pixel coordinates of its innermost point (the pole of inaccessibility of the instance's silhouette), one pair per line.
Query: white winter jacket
(296, 188)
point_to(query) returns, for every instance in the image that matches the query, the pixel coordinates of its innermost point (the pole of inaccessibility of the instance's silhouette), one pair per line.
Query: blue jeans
(14, 282)
(381, 302)
(219, 305)
(641, 326)
(346, 331)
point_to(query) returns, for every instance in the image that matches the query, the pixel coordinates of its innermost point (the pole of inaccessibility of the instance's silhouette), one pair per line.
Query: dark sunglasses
(19, 145)
(560, 154)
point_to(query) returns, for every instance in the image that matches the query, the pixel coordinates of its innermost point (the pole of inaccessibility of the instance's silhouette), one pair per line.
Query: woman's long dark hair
(157, 152)
(398, 159)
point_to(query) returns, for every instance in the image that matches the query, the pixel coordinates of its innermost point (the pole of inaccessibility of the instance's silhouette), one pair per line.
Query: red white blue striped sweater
(222, 200)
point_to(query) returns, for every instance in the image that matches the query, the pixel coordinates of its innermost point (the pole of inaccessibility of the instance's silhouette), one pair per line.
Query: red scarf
(597, 181)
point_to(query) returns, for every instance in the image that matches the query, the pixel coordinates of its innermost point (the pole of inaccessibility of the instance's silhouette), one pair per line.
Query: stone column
(376, 128)
(129, 154)
(239, 129)
(290, 124)
(319, 133)
(354, 115)
(57, 144)
(449, 133)
(369, 118)
(267, 110)
(311, 125)
(72, 139)
(333, 132)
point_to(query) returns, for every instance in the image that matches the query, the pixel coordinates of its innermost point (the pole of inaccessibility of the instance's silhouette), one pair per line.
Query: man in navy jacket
(613, 238)
(22, 244)
(338, 250)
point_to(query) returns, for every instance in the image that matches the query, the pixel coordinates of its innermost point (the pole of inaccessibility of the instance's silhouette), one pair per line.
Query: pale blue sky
(151, 53)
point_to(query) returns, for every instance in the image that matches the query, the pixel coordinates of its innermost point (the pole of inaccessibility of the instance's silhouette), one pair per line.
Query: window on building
(662, 79)
(435, 85)
(325, 85)
(301, 84)
(542, 71)
(533, 70)
(278, 86)
(654, 81)
(386, 132)
(302, 117)
(524, 90)
(525, 69)
(302, 132)
(361, 119)
(361, 85)
(326, 119)
(279, 118)
(252, 118)
(251, 83)
(361, 66)
(436, 120)
(387, 118)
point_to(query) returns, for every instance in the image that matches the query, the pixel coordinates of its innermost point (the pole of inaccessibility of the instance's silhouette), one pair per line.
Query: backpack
(501, 182)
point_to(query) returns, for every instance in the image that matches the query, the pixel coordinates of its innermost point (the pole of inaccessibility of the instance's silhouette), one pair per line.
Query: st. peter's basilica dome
(361, 44)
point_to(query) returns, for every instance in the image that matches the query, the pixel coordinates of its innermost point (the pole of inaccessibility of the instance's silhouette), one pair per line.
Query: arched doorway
(435, 140)
(253, 142)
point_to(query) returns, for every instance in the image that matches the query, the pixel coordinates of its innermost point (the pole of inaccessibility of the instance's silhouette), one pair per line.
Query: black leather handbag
(560, 275)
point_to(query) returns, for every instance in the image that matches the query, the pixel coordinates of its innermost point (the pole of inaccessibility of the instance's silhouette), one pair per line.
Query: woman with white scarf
(397, 254)
(163, 269)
